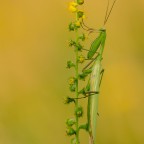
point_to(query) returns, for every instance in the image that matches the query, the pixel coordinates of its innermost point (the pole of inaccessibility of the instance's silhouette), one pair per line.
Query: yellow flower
(71, 81)
(83, 17)
(81, 59)
(73, 6)
(87, 94)
(77, 23)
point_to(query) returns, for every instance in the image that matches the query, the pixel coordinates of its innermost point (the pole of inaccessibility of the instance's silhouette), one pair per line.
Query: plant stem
(77, 125)
(76, 73)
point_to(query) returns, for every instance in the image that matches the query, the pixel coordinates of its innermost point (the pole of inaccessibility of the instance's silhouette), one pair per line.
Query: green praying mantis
(96, 73)
(96, 76)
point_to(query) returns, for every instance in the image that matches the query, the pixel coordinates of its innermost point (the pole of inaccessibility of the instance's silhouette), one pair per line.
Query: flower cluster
(73, 7)
(73, 126)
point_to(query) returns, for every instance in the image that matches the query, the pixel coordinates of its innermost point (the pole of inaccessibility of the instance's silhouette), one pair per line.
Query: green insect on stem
(95, 78)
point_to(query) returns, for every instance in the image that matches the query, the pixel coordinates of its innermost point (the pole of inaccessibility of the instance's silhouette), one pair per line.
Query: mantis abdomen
(95, 79)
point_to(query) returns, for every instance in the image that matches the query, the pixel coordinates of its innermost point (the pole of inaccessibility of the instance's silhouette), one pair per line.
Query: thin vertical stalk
(76, 75)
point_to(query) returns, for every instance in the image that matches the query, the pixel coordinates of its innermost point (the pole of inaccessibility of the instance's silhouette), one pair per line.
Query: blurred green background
(33, 78)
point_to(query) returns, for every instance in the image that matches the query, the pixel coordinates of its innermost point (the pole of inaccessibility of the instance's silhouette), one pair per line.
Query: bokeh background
(33, 79)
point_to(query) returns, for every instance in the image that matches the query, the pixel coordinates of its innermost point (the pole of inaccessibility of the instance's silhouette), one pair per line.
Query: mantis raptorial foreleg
(92, 60)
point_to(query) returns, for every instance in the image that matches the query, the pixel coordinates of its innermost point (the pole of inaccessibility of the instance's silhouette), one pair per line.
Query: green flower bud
(80, 14)
(79, 46)
(70, 122)
(82, 76)
(80, 2)
(82, 91)
(72, 80)
(72, 43)
(82, 37)
(70, 131)
(70, 64)
(79, 112)
(74, 141)
(68, 100)
(71, 27)
(72, 88)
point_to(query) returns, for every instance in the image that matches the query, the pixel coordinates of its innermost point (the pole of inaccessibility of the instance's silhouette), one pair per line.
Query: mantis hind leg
(102, 72)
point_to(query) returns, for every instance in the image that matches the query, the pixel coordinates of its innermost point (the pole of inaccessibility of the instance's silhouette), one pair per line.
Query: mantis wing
(93, 100)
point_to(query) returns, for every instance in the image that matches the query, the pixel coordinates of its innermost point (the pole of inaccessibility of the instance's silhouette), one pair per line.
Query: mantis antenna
(106, 11)
(108, 14)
